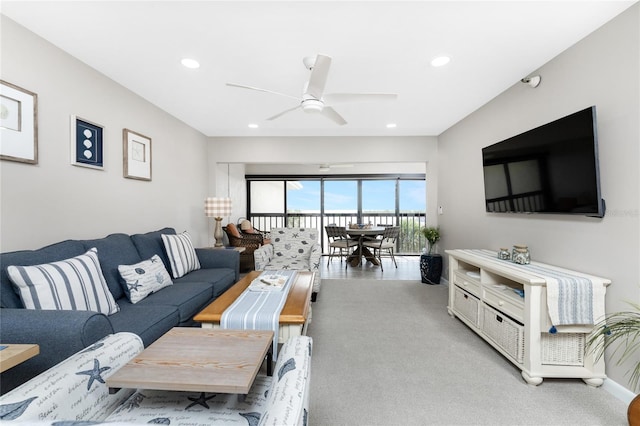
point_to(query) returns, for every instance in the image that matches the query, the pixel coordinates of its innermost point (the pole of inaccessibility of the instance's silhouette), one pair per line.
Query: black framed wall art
(87, 145)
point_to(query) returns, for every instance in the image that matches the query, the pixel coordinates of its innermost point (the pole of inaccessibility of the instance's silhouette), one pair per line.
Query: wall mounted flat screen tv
(550, 169)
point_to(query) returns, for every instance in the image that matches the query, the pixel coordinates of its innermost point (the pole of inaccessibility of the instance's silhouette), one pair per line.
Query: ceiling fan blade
(242, 86)
(318, 77)
(331, 113)
(284, 112)
(353, 97)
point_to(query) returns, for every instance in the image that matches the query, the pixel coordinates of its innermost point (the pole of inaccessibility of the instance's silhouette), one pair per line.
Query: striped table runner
(259, 310)
(571, 299)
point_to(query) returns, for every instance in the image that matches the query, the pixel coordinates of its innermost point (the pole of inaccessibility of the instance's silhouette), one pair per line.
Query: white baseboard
(614, 388)
(619, 391)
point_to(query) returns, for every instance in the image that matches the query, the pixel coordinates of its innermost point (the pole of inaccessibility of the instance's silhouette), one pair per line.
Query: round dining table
(355, 258)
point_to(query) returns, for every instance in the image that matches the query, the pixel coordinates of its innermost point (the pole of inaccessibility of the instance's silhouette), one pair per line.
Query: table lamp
(217, 208)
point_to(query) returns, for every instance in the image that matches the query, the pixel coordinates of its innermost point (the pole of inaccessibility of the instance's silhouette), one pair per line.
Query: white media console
(487, 295)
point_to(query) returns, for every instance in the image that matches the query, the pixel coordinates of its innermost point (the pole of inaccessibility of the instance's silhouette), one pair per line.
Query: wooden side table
(238, 249)
(14, 354)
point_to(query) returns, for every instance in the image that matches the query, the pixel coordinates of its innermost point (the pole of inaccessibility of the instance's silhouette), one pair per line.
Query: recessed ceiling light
(190, 63)
(253, 126)
(440, 61)
(391, 126)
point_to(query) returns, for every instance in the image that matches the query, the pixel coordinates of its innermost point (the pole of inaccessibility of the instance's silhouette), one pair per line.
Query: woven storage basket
(504, 331)
(467, 305)
(563, 348)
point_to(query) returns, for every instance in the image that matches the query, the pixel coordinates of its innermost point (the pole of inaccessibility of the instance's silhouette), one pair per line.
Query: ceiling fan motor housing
(312, 105)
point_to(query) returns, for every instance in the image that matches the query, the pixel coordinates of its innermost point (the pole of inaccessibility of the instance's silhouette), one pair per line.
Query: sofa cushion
(188, 298)
(151, 243)
(114, 250)
(181, 253)
(70, 284)
(194, 408)
(9, 296)
(147, 321)
(287, 263)
(74, 389)
(220, 279)
(144, 278)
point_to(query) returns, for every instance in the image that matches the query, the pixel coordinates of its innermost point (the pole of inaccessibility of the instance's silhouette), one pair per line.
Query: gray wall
(53, 200)
(602, 70)
(302, 155)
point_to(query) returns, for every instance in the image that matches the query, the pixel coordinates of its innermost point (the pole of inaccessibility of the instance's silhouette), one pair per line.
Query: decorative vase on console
(430, 262)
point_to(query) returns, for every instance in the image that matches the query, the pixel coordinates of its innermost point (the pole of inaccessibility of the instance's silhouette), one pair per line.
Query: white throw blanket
(259, 306)
(571, 299)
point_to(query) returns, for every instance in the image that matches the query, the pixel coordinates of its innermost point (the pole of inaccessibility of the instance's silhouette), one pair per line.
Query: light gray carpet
(387, 353)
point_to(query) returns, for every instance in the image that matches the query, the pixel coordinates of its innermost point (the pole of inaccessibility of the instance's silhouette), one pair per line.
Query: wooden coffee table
(14, 354)
(198, 360)
(295, 314)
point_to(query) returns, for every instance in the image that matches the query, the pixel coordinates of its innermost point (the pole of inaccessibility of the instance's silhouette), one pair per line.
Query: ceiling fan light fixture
(312, 105)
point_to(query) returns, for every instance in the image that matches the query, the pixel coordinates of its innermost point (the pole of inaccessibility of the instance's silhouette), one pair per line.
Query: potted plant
(430, 262)
(620, 331)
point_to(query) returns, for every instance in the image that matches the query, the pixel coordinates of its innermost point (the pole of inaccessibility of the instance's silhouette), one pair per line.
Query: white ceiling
(376, 46)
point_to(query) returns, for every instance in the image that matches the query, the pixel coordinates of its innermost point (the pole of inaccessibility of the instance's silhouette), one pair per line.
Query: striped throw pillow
(71, 284)
(182, 256)
(144, 278)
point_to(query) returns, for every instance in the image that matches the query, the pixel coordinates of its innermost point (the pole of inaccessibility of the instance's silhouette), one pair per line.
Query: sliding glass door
(319, 201)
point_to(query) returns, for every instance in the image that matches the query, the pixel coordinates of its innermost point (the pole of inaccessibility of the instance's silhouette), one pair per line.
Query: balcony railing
(411, 240)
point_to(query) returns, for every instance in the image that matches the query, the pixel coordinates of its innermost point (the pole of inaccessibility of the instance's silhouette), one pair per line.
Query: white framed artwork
(136, 155)
(18, 124)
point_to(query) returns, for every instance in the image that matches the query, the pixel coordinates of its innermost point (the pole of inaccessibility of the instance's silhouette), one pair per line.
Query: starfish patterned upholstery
(74, 392)
(291, 249)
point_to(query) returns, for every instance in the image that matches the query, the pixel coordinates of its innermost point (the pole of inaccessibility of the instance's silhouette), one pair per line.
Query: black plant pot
(431, 268)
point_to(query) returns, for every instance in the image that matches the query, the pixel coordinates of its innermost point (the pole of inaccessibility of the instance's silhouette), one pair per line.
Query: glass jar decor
(521, 255)
(504, 254)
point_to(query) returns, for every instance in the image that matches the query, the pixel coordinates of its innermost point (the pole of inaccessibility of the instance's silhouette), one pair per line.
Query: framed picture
(18, 124)
(87, 148)
(137, 155)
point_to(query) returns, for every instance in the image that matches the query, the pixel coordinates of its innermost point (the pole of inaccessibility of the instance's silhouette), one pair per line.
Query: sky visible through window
(342, 196)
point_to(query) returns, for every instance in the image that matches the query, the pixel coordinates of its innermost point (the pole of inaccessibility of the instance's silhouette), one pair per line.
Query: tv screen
(550, 169)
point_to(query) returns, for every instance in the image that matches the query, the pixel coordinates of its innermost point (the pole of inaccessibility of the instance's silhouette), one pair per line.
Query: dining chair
(339, 241)
(387, 242)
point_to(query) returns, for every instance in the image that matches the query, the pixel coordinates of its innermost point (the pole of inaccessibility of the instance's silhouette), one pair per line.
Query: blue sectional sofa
(61, 333)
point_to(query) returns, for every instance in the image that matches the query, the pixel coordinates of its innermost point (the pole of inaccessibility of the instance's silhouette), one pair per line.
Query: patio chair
(339, 241)
(387, 242)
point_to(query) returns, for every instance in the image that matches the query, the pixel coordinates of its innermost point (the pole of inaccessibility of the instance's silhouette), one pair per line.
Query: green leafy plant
(619, 331)
(432, 234)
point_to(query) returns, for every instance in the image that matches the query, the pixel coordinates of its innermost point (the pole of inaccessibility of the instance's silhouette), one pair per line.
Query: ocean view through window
(317, 202)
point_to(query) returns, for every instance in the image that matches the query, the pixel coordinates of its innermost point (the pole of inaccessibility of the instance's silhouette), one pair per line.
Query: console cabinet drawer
(464, 281)
(503, 301)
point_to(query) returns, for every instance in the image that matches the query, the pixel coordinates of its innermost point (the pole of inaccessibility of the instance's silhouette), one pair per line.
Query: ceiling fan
(325, 167)
(313, 99)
